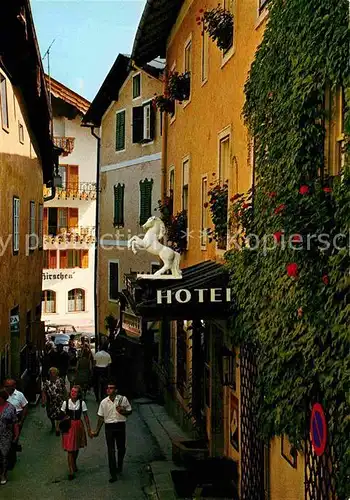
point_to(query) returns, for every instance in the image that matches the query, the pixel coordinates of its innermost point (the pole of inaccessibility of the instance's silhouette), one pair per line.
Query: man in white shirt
(112, 412)
(18, 400)
(102, 363)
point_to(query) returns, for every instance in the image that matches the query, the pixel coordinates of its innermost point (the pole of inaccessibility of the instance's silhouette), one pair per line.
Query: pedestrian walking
(33, 370)
(9, 432)
(112, 412)
(102, 363)
(75, 437)
(18, 400)
(49, 359)
(62, 361)
(72, 362)
(53, 395)
(84, 370)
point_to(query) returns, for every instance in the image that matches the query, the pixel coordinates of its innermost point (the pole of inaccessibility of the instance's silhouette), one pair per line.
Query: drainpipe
(164, 149)
(52, 195)
(97, 237)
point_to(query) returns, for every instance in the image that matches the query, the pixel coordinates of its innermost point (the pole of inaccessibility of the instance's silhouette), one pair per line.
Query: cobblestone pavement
(41, 471)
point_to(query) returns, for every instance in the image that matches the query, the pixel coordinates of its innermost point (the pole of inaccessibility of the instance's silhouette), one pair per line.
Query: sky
(88, 34)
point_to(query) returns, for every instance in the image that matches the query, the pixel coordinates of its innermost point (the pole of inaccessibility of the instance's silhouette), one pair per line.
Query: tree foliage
(298, 317)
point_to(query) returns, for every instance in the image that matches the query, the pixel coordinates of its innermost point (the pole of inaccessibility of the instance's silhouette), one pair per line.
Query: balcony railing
(70, 235)
(74, 191)
(65, 143)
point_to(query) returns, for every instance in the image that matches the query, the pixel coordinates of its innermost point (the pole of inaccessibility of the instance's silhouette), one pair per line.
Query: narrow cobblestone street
(41, 469)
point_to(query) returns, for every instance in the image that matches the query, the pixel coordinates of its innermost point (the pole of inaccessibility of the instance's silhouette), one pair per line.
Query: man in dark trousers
(112, 412)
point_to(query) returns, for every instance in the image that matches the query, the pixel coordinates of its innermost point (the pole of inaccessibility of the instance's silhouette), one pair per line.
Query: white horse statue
(156, 231)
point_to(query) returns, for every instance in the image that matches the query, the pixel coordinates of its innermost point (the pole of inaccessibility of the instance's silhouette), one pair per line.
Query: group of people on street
(13, 412)
(68, 412)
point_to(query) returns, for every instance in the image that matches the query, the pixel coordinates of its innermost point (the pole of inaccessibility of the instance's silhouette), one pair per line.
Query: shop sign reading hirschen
(197, 295)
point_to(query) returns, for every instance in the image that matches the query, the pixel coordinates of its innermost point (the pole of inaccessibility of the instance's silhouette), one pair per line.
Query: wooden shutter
(73, 218)
(113, 280)
(120, 131)
(84, 258)
(70, 259)
(145, 200)
(63, 259)
(45, 222)
(53, 259)
(137, 124)
(152, 123)
(73, 177)
(119, 205)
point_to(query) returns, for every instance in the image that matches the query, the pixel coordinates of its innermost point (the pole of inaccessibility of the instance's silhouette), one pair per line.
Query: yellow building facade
(206, 143)
(26, 162)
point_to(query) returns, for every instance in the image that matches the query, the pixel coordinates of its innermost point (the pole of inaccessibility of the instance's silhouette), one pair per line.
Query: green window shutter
(137, 124)
(119, 205)
(120, 131)
(145, 200)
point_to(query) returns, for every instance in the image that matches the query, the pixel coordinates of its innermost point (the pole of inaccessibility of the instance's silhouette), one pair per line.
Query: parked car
(52, 329)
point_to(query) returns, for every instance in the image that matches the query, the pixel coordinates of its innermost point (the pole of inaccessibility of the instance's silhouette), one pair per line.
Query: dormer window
(136, 86)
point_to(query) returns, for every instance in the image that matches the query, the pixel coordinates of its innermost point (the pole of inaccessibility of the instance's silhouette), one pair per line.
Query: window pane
(205, 55)
(3, 102)
(113, 280)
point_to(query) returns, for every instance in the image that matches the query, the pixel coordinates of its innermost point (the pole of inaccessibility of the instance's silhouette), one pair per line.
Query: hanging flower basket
(164, 104)
(179, 86)
(176, 226)
(218, 23)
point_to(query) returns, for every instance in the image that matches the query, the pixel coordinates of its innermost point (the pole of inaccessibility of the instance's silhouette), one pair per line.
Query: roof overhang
(21, 60)
(155, 25)
(203, 292)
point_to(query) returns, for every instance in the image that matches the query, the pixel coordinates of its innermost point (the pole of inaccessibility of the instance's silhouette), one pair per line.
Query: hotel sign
(132, 324)
(195, 296)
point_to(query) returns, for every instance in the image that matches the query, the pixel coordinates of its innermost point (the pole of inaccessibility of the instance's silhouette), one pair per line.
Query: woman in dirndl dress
(75, 438)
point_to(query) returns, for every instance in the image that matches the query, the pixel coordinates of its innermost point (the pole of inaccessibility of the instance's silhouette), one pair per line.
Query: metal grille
(252, 449)
(319, 471)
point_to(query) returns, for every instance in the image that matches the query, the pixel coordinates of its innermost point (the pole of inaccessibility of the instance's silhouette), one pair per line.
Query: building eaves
(108, 91)
(156, 23)
(60, 91)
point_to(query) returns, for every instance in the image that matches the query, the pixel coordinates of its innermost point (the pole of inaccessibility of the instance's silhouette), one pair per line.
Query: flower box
(179, 86)
(218, 23)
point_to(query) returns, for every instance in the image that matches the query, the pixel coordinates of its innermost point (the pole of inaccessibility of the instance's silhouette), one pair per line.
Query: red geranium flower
(327, 189)
(278, 235)
(304, 189)
(292, 270)
(325, 279)
(273, 194)
(198, 19)
(245, 205)
(300, 312)
(206, 204)
(201, 11)
(280, 208)
(297, 238)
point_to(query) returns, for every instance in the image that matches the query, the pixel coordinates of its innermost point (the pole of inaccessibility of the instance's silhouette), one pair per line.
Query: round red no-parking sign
(318, 429)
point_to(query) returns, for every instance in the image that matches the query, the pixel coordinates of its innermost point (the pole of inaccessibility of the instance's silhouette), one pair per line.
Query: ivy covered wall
(291, 277)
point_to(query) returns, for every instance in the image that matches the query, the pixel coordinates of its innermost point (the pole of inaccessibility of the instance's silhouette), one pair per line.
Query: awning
(202, 293)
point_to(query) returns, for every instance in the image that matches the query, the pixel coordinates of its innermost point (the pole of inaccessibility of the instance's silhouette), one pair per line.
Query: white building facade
(69, 218)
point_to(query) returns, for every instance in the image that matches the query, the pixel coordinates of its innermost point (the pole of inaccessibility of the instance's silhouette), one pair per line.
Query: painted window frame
(226, 132)
(21, 132)
(40, 225)
(138, 74)
(4, 107)
(32, 220)
(204, 57)
(45, 301)
(227, 55)
(16, 207)
(185, 159)
(188, 43)
(75, 310)
(147, 105)
(123, 149)
(113, 261)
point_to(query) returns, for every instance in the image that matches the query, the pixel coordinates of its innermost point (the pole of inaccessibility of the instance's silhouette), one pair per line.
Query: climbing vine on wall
(291, 279)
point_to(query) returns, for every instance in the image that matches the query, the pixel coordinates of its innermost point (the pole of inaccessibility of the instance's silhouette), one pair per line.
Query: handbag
(65, 423)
